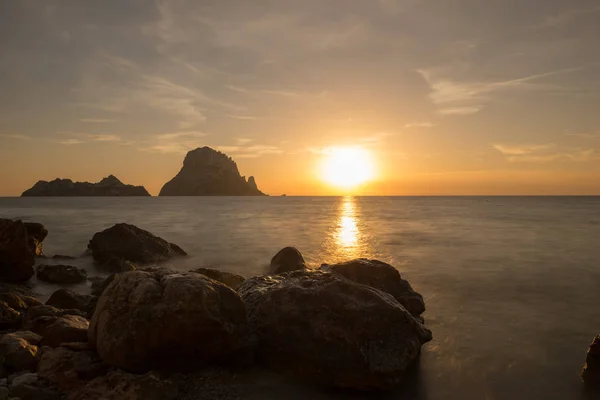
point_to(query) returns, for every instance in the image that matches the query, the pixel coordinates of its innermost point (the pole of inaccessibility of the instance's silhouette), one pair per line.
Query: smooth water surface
(511, 284)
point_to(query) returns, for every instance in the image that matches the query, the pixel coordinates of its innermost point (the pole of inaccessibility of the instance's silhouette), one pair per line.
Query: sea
(511, 284)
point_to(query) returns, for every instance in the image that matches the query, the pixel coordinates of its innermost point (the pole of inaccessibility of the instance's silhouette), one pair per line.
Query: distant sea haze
(510, 283)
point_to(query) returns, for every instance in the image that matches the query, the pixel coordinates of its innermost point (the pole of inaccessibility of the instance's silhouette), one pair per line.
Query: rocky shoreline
(147, 332)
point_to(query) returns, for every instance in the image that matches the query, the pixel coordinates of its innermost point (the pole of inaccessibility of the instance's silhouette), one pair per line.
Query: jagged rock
(67, 369)
(332, 330)
(381, 276)
(118, 385)
(109, 186)
(19, 302)
(30, 392)
(30, 378)
(60, 273)
(9, 317)
(207, 172)
(50, 311)
(128, 242)
(286, 260)
(20, 351)
(591, 370)
(146, 320)
(36, 233)
(16, 257)
(68, 328)
(227, 278)
(68, 299)
(99, 288)
(115, 264)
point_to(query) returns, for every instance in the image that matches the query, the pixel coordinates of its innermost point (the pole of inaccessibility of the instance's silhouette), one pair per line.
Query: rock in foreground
(60, 273)
(16, 255)
(207, 172)
(331, 330)
(130, 243)
(286, 260)
(591, 369)
(109, 186)
(227, 278)
(381, 276)
(145, 320)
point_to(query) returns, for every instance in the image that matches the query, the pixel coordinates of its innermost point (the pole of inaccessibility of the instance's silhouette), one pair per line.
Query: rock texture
(591, 369)
(16, 255)
(36, 234)
(68, 328)
(67, 369)
(68, 299)
(227, 278)
(109, 186)
(19, 350)
(381, 276)
(286, 260)
(60, 273)
(207, 172)
(331, 330)
(145, 320)
(130, 243)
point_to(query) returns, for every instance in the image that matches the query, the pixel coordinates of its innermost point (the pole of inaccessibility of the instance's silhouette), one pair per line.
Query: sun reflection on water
(348, 234)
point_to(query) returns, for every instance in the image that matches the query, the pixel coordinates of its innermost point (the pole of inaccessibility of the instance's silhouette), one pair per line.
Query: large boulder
(286, 260)
(227, 278)
(19, 351)
(146, 320)
(16, 256)
(68, 299)
(9, 317)
(119, 385)
(332, 330)
(67, 369)
(207, 172)
(65, 329)
(60, 273)
(36, 234)
(381, 276)
(591, 369)
(128, 242)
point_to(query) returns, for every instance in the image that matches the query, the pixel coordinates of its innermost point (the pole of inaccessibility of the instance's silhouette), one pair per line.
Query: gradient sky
(451, 96)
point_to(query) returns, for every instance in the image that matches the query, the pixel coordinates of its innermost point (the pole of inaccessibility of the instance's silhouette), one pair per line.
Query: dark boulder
(115, 264)
(381, 276)
(146, 320)
(36, 234)
(65, 329)
(19, 350)
(591, 369)
(286, 260)
(128, 242)
(227, 278)
(119, 385)
(9, 317)
(68, 299)
(67, 369)
(16, 256)
(60, 273)
(31, 392)
(336, 332)
(100, 287)
(61, 257)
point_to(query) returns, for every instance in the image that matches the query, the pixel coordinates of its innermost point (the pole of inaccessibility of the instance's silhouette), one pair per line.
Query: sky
(451, 97)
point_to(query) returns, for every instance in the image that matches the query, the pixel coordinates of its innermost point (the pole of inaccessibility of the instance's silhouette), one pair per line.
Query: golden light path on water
(348, 235)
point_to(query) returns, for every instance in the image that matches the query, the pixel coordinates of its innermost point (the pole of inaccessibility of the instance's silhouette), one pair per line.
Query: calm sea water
(511, 284)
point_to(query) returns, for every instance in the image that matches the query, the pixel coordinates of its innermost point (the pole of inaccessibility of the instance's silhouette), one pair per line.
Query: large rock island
(207, 172)
(109, 186)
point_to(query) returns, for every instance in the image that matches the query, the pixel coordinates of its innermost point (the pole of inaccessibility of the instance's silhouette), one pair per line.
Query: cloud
(419, 125)
(243, 140)
(522, 149)
(15, 136)
(243, 117)
(174, 142)
(69, 142)
(103, 138)
(564, 18)
(96, 120)
(585, 135)
(176, 135)
(252, 151)
(538, 154)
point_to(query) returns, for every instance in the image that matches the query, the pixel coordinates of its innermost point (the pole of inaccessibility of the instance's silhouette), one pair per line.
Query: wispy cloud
(96, 120)
(565, 17)
(584, 135)
(15, 136)
(419, 125)
(253, 151)
(69, 142)
(243, 117)
(522, 149)
(538, 154)
(177, 135)
(243, 141)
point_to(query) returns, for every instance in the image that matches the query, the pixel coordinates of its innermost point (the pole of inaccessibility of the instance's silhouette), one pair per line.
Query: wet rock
(19, 302)
(30, 378)
(286, 260)
(36, 234)
(60, 273)
(227, 278)
(381, 276)
(334, 331)
(128, 242)
(19, 351)
(146, 320)
(68, 299)
(591, 370)
(68, 328)
(16, 257)
(9, 317)
(67, 369)
(118, 385)
(30, 392)
(117, 265)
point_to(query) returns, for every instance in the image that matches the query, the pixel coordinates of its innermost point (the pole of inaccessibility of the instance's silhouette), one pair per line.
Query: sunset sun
(347, 167)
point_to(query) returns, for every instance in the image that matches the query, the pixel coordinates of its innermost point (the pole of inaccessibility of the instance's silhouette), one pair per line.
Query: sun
(347, 167)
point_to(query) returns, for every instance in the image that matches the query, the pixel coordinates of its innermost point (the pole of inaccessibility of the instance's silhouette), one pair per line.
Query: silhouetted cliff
(109, 186)
(207, 172)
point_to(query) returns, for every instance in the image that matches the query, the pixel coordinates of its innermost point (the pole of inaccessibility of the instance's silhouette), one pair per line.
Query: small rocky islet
(148, 332)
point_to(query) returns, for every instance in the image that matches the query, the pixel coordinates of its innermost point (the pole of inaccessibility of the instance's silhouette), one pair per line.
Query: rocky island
(109, 186)
(207, 172)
